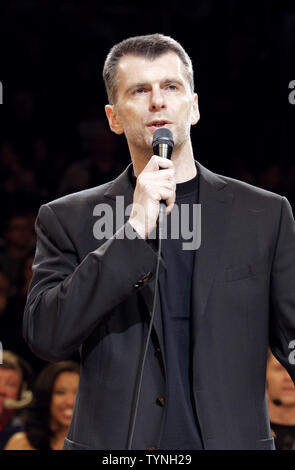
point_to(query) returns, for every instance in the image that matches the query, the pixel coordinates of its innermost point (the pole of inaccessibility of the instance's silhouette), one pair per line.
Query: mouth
(67, 413)
(289, 389)
(158, 123)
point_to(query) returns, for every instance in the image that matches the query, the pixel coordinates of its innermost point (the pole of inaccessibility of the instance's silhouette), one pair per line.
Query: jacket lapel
(122, 187)
(216, 210)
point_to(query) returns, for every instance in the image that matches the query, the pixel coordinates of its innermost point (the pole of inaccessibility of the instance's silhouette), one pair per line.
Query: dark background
(52, 54)
(53, 132)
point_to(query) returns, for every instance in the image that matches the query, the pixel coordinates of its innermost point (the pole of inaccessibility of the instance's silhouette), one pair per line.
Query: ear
(196, 112)
(113, 119)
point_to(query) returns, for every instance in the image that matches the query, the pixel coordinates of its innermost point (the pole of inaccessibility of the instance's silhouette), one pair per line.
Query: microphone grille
(163, 136)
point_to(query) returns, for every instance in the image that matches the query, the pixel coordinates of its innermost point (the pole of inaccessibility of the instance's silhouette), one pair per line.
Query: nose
(157, 101)
(70, 399)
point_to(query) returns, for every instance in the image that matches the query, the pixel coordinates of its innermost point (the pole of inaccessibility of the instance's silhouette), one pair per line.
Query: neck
(60, 433)
(282, 414)
(57, 428)
(182, 157)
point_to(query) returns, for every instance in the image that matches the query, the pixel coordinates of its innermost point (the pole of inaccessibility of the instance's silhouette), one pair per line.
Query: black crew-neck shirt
(181, 429)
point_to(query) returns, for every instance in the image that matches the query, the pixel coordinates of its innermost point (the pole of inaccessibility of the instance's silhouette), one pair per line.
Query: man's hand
(156, 182)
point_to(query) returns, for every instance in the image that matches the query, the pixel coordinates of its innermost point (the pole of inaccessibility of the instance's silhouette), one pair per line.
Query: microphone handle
(164, 151)
(162, 214)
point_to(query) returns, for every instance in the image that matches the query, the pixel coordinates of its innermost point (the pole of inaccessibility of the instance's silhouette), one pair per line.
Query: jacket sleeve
(282, 292)
(68, 299)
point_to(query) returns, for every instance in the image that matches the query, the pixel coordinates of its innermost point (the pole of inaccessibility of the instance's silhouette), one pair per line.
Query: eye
(139, 91)
(12, 385)
(171, 87)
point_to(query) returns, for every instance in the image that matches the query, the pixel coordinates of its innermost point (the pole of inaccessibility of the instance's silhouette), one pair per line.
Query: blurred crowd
(25, 184)
(54, 140)
(35, 412)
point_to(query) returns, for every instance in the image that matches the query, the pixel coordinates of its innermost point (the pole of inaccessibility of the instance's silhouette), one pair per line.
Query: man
(281, 404)
(203, 385)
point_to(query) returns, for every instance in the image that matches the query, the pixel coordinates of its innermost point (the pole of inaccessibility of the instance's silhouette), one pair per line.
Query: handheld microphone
(163, 144)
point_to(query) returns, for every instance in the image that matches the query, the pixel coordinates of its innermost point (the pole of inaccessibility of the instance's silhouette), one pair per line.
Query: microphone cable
(138, 391)
(162, 145)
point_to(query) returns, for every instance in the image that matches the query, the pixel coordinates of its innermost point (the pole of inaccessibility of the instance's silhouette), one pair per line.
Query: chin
(62, 421)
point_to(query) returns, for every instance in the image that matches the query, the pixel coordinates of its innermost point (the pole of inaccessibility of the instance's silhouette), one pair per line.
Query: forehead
(19, 221)
(137, 69)
(65, 379)
(10, 374)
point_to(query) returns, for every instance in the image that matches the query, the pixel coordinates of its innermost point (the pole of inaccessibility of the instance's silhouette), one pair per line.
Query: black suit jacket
(96, 295)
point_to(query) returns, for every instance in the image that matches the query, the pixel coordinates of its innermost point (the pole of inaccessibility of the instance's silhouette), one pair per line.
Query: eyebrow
(165, 80)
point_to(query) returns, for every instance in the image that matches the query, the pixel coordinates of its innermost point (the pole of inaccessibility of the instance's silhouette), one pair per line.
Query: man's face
(279, 383)
(151, 94)
(10, 383)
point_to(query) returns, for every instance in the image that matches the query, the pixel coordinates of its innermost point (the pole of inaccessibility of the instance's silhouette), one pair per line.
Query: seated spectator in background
(17, 181)
(26, 274)
(47, 419)
(281, 404)
(100, 165)
(14, 376)
(19, 238)
(11, 316)
(4, 293)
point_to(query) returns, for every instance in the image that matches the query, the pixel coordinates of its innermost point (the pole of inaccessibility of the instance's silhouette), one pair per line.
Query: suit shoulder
(245, 190)
(79, 202)
(239, 189)
(80, 198)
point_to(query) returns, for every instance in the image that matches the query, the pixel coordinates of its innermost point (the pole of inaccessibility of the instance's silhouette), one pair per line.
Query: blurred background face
(63, 399)
(10, 383)
(279, 383)
(20, 231)
(4, 291)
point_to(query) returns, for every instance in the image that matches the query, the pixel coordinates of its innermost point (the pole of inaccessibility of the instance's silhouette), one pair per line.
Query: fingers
(153, 186)
(161, 185)
(155, 176)
(164, 194)
(169, 197)
(156, 162)
(162, 174)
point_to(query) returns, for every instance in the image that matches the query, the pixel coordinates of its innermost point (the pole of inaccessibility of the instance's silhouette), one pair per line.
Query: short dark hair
(149, 46)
